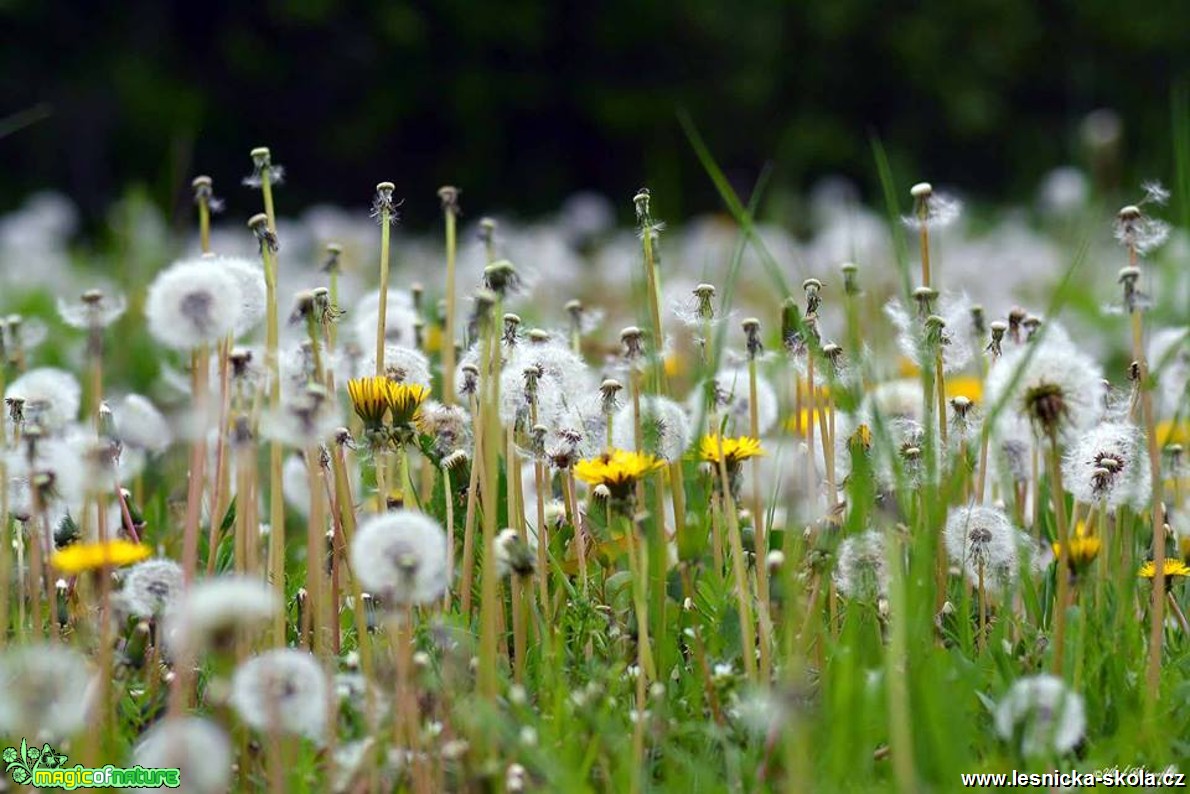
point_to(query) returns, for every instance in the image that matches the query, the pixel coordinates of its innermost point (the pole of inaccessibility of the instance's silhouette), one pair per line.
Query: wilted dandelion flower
(665, 428)
(983, 541)
(197, 747)
(1106, 465)
(82, 557)
(1059, 388)
(93, 311)
(51, 397)
(45, 691)
(152, 586)
(192, 303)
(283, 690)
(208, 615)
(401, 557)
(1040, 716)
(861, 567)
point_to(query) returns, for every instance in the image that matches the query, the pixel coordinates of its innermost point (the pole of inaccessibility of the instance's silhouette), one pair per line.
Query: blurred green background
(521, 103)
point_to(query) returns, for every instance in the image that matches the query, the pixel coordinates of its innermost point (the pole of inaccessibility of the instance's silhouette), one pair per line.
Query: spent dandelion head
(263, 168)
(1136, 229)
(192, 303)
(45, 691)
(1041, 716)
(501, 278)
(400, 556)
(861, 566)
(931, 208)
(204, 193)
(384, 207)
(197, 747)
(95, 310)
(151, 587)
(282, 691)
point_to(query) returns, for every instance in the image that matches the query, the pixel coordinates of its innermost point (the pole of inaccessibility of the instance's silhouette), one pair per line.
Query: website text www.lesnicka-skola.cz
(1129, 777)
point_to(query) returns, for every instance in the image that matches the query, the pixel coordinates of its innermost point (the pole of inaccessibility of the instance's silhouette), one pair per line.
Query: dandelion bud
(334, 253)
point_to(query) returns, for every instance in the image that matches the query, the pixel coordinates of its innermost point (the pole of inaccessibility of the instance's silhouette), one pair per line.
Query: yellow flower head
(734, 449)
(618, 470)
(1171, 432)
(79, 557)
(1084, 548)
(1173, 567)
(369, 398)
(405, 399)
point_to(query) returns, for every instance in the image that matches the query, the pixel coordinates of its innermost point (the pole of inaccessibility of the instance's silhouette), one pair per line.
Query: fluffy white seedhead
(93, 312)
(401, 364)
(1107, 465)
(1041, 716)
(448, 425)
(295, 483)
(151, 587)
(562, 378)
(140, 425)
(665, 428)
(399, 320)
(45, 691)
(732, 395)
(1049, 380)
(211, 612)
(861, 569)
(894, 399)
(196, 746)
(306, 417)
(249, 278)
(51, 397)
(983, 542)
(192, 303)
(283, 690)
(955, 334)
(401, 557)
(1169, 360)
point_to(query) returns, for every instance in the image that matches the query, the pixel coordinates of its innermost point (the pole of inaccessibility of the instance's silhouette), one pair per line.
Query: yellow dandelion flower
(405, 399)
(618, 469)
(1173, 567)
(964, 386)
(370, 399)
(79, 557)
(802, 420)
(1084, 548)
(734, 449)
(1171, 432)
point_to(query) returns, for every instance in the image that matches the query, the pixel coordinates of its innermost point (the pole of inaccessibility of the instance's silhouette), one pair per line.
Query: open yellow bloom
(369, 398)
(734, 449)
(79, 557)
(405, 400)
(1171, 432)
(617, 469)
(1173, 567)
(1084, 548)
(967, 386)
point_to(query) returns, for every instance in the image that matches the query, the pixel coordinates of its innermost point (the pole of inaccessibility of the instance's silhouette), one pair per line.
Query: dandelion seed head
(401, 557)
(253, 294)
(1058, 385)
(151, 587)
(197, 747)
(93, 311)
(983, 541)
(1106, 465)
(861, 568)
(732, 393)
(401, 364)
(1041, 714)
(45, 691)
(208, 615)
(283, 690)
(192, 303)
(665, 428)
(51, 397)
(140, 425)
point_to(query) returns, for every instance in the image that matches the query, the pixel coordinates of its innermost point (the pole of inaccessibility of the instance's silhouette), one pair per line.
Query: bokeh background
(522, 103)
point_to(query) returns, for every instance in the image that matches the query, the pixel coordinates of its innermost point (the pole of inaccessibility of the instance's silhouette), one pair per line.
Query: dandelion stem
(200, 364)
(1058, 497)
(382, 313)
(450, 211)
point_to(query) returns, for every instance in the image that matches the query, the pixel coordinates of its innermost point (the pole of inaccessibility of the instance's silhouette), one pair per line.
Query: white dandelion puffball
(1056, 381)
(1108, 465)
(249, 277)
(152, 586)
(983, 541)
(196, 746)
(400, 319)
(191, 303)
(140, 425)
(861, 569)
(955, 311)
(1043, 714)
(207, 615)
(401, 364)
(282, 690)
(45, 691)
(401, 557)
(94, 311)
(665, 428)
(732, 392)
(51, 396)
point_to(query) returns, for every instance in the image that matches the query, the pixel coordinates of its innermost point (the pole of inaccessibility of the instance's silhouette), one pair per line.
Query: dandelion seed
(933, 209)
(955, 337)
(1138, 231)
(253, 293)
(401, 365)
(195, 746)
(192, 303)
(93, 312)
(731, 391)
(282, 690)
(1039, 715)
(305, 418)
(401, 557)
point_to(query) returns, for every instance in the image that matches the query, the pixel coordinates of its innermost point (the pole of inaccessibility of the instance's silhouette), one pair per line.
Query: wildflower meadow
(298, 500)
